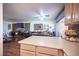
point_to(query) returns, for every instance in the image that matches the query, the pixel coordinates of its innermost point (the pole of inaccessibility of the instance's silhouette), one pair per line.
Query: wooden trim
(27, 50)
(45, 54)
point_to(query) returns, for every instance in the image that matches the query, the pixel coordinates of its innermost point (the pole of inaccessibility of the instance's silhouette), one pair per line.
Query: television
(20, 25)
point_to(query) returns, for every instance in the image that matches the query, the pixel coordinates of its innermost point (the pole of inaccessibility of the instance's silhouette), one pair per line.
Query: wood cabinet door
(26, 53)
(75, 12)
(27, 47)
(68, 13)
(47, 51)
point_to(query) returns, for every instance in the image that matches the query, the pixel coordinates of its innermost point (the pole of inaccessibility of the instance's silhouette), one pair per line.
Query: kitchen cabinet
(71, 13)
(47, 51)
(30, 50)
(27, 47)
(26, 53)
(27, 50)
(68, 13)
(41, 46)
(75, 12)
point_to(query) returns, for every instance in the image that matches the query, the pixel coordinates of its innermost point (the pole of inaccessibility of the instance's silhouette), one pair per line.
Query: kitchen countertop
(52, 42)
(70, 48)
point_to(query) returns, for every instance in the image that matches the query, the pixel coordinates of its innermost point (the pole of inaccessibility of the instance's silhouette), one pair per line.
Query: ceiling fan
(40, 15)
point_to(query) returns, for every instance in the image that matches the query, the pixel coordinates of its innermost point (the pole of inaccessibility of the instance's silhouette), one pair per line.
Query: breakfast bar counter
(41, 45)
(48, 46)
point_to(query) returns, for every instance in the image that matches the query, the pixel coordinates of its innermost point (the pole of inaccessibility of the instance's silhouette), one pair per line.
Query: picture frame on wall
(38, 26)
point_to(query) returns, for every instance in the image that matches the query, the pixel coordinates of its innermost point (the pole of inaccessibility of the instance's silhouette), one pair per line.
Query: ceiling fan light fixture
(41, 19)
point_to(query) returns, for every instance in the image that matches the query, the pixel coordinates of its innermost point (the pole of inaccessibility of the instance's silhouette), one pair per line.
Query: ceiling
(31, 11)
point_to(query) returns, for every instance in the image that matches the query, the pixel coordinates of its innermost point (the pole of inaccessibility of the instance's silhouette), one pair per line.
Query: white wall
(5, 27)
(32, 22)
(40, 22)
(60, 28)
(1, 40)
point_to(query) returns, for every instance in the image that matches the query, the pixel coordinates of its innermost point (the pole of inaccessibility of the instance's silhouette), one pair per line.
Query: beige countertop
(52, 42)
(70, 48)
